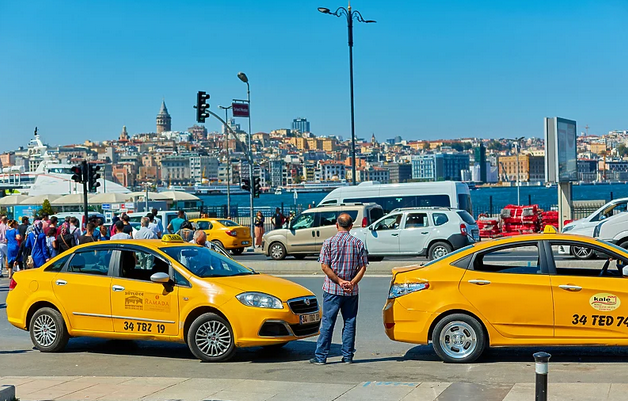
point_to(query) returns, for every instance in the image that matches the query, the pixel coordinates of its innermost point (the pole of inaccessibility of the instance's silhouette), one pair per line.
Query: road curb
(7, 392)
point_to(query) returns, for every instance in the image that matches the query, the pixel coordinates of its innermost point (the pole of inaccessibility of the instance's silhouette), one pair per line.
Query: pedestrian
(51, 238)
(65, 240)
(175, 224)
(45, 221)
(13, 246)
(343, 259)
(89, 234)
(187, 231)
(104, 233)
(54, 222)
(3, 243)
(145, 232)
(259, 228)
(200, 238)
(96, 233)
(112, 230)
(277, 219)
(23, 228)
(126, 220)
(120, 234)
(75, 229)
(155, 214)
(153, 225)
(36, 241)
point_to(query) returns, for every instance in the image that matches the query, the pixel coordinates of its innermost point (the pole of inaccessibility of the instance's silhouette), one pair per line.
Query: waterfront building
(531, 168)
(371, 173)
(175, 169)
(439, 166)
(332, 170)
(399, 172)
(479, 153)
(301, 124)
(163, 119)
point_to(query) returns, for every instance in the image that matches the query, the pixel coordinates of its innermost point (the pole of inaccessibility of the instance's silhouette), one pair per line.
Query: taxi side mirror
(160, 278)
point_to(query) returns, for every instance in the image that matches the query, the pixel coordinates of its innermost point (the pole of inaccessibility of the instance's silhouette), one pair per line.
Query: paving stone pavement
(182, 389)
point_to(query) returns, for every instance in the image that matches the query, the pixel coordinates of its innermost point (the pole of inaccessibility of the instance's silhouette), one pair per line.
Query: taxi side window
(516, 259)
(140, 265)
(58, 264)
(596, 263)
(180, 280)
(90, 262)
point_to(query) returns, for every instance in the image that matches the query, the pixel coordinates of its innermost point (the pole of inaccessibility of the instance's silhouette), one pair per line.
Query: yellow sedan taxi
(166, 290)
(225, 233)
(517, 291)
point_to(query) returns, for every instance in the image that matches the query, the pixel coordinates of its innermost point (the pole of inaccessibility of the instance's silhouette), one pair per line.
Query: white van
(414, 194)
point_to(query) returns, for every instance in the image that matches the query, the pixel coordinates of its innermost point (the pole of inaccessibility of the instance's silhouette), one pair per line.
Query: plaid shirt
(345, 255)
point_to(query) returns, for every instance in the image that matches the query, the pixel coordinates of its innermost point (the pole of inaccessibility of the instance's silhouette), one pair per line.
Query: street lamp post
(242, 76)
(228, 162)
(347, 12)
(518, 141)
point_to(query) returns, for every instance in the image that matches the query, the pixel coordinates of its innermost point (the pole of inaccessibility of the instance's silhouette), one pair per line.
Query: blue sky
(428, 69)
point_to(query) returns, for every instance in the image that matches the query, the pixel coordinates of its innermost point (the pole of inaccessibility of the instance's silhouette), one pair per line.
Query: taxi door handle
(479, 282)
(394, 235)
(570, 287)
(61, 282)
(117, 288)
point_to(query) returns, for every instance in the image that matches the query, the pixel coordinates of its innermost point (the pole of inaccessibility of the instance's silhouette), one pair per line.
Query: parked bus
(414, 194)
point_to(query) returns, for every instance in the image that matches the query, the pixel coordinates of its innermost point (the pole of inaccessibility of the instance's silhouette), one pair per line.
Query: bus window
(394, 202)
(464, 203)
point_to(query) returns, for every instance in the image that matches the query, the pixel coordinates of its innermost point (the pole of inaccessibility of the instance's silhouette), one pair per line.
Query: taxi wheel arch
(49, 332)
(38, 305)
(208, 334)
(461, 312)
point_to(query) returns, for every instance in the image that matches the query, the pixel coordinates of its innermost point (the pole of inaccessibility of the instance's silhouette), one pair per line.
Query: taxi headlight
(260, 300)
(399, 289)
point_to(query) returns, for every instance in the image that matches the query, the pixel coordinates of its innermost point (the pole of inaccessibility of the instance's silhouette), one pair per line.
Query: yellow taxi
(517, 291)
(226, 233)
(166, 290)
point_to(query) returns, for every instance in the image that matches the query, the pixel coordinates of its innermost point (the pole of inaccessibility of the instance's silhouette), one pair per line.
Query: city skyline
(436, 71)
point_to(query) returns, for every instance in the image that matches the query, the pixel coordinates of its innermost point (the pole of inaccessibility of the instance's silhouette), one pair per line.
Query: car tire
(438, 250)
(580, 252)
(468, 344)
(218, 243)
(210, 338)
(237, 251)
(299, 256)
(375, 258)
(48, 331)
(277, 251)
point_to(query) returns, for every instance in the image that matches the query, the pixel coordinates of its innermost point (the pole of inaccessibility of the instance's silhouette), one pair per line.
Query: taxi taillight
(232, 233)
(12, 284)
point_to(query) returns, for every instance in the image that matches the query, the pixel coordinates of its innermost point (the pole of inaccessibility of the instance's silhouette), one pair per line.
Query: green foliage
(495, 145)
(426, 146)
(46, 208)
(622, 150)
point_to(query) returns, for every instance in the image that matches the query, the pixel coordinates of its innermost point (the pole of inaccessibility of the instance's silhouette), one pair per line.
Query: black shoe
(347, 360)
(315, 361)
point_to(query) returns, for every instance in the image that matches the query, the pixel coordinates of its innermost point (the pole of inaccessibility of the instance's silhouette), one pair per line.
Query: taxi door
(590, 296)
(83, 289)
(139, 306)
(510, 287)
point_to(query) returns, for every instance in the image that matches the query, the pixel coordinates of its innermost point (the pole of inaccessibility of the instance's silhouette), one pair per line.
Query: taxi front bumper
(406, 324)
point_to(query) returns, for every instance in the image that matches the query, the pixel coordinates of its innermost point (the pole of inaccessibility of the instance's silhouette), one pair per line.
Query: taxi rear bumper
(404, 324)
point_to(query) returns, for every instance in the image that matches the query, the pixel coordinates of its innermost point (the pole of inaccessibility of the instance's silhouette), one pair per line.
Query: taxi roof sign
(549, 230)
(170, 238)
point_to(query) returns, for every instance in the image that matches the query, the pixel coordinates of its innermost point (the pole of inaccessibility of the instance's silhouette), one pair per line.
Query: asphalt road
(377, 357)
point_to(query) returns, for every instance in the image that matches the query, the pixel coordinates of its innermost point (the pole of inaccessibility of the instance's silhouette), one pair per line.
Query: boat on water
(218, 189)
(278, 191)
(308, 187)
(50, 177)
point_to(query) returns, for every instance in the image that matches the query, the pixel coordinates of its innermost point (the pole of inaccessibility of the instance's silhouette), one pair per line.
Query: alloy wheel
(44, 330)
(458, 339)
(213, 338)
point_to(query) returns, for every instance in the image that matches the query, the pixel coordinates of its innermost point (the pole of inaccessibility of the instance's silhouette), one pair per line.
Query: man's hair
(181, 213)
(126, 218)
(119, 225)
(24, 219)
(74, 220)
(154, 212)
(90, 227)
(54, 219)
(344, 220)
(145, 221)
(150, 216)
(198, 233)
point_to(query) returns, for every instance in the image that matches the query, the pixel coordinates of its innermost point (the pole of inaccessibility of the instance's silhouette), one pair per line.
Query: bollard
(541, 368)
(529, 199)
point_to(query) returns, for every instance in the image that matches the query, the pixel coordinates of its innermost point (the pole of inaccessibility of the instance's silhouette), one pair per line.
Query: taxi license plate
(245, 242)
(310, 318)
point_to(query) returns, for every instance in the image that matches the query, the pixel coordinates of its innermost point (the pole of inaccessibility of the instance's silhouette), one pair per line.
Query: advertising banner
(240, 109)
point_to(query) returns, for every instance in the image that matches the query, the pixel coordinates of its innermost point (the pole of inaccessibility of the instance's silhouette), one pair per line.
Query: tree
(46, 208)
(426, 146)
(622, 150)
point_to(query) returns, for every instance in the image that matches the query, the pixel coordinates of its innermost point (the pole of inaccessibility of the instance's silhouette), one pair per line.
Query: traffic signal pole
(85, 191)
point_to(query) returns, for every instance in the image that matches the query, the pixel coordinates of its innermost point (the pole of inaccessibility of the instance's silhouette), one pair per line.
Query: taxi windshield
(204, 263)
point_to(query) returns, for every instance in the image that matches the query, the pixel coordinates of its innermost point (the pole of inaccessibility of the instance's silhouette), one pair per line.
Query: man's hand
(347, 286)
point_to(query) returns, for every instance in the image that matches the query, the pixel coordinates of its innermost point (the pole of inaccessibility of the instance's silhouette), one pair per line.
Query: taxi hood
(278, 287)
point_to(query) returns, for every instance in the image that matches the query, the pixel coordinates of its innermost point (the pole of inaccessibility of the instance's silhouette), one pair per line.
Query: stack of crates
(489, 227)
(549, 218)
(520, 219)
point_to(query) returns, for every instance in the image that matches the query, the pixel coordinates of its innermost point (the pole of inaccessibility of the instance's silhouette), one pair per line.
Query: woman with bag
(36, 241)
(65, 240)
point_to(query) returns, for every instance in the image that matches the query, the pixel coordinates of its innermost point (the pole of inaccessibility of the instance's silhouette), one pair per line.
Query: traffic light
(246, 184)
(92, 177)
(257, 188)
(77, 172)
(201, 106)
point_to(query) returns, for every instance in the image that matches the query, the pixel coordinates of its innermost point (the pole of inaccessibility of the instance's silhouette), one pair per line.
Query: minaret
(163, 118)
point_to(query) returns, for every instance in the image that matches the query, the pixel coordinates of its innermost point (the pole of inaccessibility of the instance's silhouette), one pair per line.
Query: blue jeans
(332, 304)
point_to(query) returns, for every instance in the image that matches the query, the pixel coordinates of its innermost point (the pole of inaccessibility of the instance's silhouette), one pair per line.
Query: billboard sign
(240, 109)
(560, 150)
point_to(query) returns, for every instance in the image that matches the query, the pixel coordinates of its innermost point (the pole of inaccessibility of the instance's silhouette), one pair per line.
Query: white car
(587, 226)
(432, 232)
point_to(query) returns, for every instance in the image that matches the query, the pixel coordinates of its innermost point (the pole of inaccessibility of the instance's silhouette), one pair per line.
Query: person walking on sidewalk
(259, 229)
(343, 259)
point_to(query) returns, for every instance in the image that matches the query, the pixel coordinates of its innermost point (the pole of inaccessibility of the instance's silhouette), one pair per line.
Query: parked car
(433, 232)
(225, 233)
(306, 232)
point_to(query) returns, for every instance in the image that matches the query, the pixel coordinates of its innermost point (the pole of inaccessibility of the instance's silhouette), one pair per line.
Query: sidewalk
(180, 389)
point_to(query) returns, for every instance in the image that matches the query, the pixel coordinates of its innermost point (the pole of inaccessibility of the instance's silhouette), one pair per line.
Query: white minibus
(413, 194)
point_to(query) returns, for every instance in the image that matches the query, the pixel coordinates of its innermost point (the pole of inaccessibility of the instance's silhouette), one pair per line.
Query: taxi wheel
(48, 331)
(210, 338)
(216, 242)
(237, 251)
(277, 251)
(458, 338)
(438, 250)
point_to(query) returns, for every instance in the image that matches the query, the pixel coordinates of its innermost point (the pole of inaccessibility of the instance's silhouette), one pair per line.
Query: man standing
(3, 243)
(120, 234)
(343, 260)
(277, 219)
(22, 228)
(152, 224)
(157, 221)
(175, 224)
(145, 232)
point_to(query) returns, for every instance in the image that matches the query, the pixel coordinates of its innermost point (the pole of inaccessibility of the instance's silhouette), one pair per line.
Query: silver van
(307, 231)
